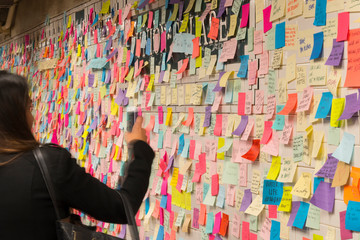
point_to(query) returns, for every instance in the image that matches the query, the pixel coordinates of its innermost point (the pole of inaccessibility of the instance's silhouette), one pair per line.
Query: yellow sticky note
(130, 74)
(318, 139)
(184, 23)
(69, 22)
(317, 237)
(168, 117)
(85, 132)
(302, 186)
(275, 168)
(103, 91)
(78, 51)
(224, 78)
(198, 27)
(174, 177)
(221, 143)
(114, 108)
(336, 110)
(151, 83)
(105, 7)
(198, 60)
(285, 204)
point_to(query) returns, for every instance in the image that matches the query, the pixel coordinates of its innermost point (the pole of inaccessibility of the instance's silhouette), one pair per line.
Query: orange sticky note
(190, 117)
(224, 224)
(343, 26)
(195, 52)
(214, 29)
(290, 105)
(254, 151)
(183, 66)
(353, 70)
(202, 217)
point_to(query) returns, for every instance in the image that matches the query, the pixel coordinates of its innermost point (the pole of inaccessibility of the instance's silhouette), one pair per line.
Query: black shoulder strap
(45, 172)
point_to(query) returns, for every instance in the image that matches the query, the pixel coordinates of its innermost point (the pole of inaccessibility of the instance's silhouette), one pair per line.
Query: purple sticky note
(207, 120)
(162, 73)
(119, 98)
(217, 88)
(301, 215)
(351, 106)
(329, 168)
(336, 54)
(123, 231)
(112, 54)
(241, 128)
(247, 199)
(108, 76)
(91, 78)
(294, 209)
(221, 8)
(181, 8)
(324, 197)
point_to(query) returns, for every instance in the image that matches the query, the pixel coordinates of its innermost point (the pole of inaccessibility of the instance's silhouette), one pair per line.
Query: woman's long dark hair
(15, 131)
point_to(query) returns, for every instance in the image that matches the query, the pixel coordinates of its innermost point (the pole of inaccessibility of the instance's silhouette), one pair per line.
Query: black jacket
(26, 208)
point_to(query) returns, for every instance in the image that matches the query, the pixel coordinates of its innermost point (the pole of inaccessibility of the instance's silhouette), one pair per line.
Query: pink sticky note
(266, 19)
(245, 231)
(241, 103)
(163, 41)
(217, 223)
(151, 14)
(192, 149)
(343, 26)
(344, 233)
(168, 204)
(161, 115)
(272, 211)
(215, 185)
(218, 125)
(267, 132)
(245, 15)
(179, 182)
(253, 236)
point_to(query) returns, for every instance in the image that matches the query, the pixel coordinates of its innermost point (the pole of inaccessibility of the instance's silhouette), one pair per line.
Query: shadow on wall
(31, 13)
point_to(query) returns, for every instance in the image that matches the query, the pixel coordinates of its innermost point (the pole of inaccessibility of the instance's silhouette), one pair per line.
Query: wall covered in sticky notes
(251, 108)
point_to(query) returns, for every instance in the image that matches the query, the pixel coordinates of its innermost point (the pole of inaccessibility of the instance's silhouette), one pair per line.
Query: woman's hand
(137, 133)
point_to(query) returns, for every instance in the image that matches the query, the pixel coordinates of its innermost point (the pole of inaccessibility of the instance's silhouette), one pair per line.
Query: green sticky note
(334, 136)
(230, 174)
(253, 223)
(270, 40)
(313, 218)
(250, 39)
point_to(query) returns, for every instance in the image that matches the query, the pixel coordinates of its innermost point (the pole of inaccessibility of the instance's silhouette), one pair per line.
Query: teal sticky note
(344, 151)
(185, 152)
(206, 187)
(209, 223)
(229, 92)
(352, 218)
(317, 180)
(242, 73)
(161, 139)
(301, 215)
(280, 35)
(320, 13)
(324, 105)
(272, 192)
(318, 45)
(279, 119)
(275, 230)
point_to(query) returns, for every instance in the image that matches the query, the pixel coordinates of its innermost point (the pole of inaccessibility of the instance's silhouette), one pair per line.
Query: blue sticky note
(279, 119)
(185, 152)
(317, 180)
(320, 13)
(272, 192)
(275, 230)
(280, 35)
(160, 235)
(301, 215)
(318, 45)
(206, 187)
(243, 66)
(209, 223)
(163, 201)
(352, 218)
(181, 144)
(148, 46)
(324, 105)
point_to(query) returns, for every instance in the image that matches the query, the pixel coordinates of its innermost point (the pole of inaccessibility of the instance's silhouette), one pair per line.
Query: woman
(26, 208)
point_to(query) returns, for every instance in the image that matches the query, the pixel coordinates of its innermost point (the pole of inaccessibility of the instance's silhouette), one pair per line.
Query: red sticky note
(215, 185)
(196, 48)
(163, 41)
(138, 49)
(343, 26)
(245, 15)
(179, 182)
(214, 29)
(254, 151)
(183, 66)
(290, 105)
(151, 14)
(218, 125)
(241, 103)
(272, 211)
(245, 231)
(253, 236)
